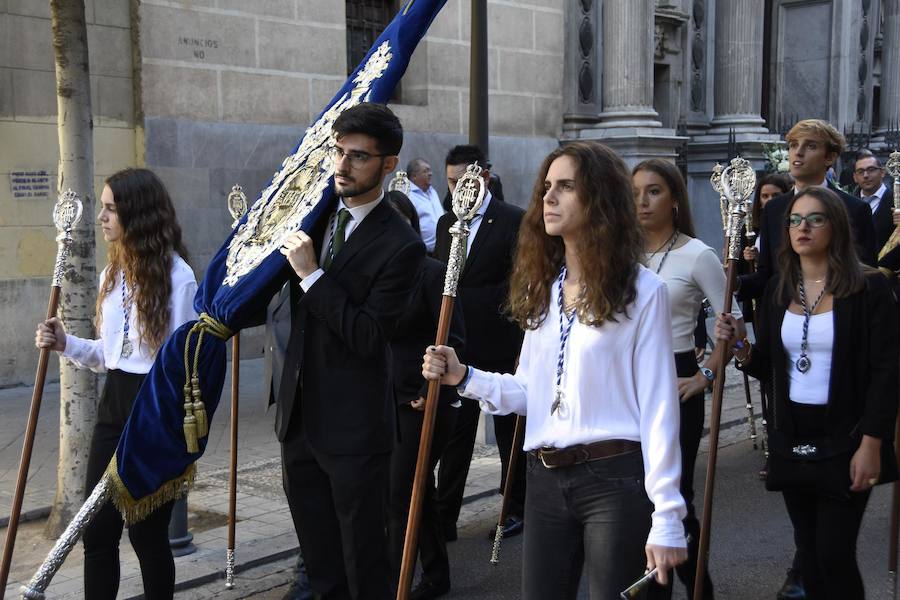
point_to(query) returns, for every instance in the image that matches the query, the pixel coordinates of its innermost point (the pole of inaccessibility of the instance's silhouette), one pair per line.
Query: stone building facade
(209, 93)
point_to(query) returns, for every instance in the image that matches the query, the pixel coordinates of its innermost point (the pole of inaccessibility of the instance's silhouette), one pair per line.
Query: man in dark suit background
(868, 174)
(813, 147)
(492, 340)
(331, 378)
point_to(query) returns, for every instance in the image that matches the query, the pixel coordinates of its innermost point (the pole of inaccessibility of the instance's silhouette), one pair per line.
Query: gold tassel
(190, 429)
(136, 510)
(199, 408)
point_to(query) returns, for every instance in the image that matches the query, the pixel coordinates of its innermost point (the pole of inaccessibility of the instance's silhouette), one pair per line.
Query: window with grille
(366, 19)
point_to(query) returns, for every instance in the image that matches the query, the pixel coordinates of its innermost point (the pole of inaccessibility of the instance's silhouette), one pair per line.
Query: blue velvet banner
(153, 463)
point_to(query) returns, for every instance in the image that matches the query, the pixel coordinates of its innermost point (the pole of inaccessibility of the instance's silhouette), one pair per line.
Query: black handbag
(813, 464)
(820, 464)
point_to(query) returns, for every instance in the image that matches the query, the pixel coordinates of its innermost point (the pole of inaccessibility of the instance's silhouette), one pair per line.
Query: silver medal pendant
(556, 401)
(803, 363)
(127, 348)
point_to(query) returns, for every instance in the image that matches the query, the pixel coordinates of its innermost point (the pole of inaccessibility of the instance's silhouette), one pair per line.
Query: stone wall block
(321, 91)
(200, 37)
(249, 98)
(283, 9)
(548, 32)
(446, 24)
(27, 43)
(179, 92)
(509, 26)
(34, 93)
(322, 11)
(525, 72)
(546, 116)
(6, 93)
(112, 99)
(116, 13)
(302, 49)
(109, 50)
(28, 8)
(513, 115)
(448, 64)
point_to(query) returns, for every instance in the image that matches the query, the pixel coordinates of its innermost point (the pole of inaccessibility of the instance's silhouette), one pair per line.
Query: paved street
(751, 544)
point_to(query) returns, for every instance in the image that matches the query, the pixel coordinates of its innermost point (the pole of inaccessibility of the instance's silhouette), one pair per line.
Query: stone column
(581, 79)
(628, 28)
(890, 60)
(738, 66)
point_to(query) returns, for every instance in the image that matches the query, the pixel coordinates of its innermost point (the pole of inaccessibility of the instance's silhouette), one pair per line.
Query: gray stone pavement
(266, 542)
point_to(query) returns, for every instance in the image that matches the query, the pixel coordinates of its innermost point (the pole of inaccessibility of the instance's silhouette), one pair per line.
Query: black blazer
(333, 360)
(883, 220)
(753, 285)
(862, 392)
(417, 330)
(492, 339)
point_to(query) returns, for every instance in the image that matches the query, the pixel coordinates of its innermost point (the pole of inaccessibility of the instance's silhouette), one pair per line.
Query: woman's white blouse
(692, 272)
(618, 383)
(105, 352)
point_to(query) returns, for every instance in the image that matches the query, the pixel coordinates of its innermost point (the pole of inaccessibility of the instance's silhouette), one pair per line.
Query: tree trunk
(78, 387)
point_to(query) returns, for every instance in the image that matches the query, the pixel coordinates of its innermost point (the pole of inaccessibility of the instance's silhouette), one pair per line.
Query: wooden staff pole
(66, 214)
(467, 198)
(518, 436)
(735, 184)
(237, 206)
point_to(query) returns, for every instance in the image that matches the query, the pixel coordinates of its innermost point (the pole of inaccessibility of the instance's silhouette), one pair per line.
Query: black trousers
(432, 545)
(593, 516)
(457, 456)
(825, 528)
(692, 417)
(338, 504)
(504, 428)
(149, 537)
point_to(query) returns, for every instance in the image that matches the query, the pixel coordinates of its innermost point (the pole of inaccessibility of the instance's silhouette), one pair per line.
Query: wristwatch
(708, 373)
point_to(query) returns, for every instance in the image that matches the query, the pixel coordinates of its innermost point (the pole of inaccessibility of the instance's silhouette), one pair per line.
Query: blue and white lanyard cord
(565, 327)
(126, 308)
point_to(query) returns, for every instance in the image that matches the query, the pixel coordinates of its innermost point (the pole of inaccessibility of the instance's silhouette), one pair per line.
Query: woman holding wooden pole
(829, 347)
(146, 292)
(600, 440)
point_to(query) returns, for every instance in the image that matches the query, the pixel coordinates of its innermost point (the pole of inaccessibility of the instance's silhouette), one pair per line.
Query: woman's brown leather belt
(553, 458)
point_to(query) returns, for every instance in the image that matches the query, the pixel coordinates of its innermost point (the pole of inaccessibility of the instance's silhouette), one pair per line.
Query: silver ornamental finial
(892, 166)
(468, 196)
(237, 204)
(400, 183)
(469, 193)
(66, 214)
(715, 179)
(738, 181)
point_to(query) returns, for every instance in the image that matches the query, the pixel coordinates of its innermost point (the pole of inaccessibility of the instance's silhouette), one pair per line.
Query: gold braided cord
(196, 424)
(137, 510)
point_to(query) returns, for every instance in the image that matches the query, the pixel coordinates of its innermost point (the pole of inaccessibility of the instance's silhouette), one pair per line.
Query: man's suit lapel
(484, 231)
(365, 233)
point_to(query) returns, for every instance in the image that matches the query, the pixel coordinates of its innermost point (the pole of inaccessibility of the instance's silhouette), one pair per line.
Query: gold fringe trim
(195, 424)
(133, 510)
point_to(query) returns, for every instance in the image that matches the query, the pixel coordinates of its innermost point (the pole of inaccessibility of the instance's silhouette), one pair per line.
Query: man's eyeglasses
(814, 220)
(357, 158)
(867, 171)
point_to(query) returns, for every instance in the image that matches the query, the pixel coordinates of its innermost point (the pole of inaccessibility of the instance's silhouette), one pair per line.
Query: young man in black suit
(332, 383)
(868, 174)
(492, 340)
(813, 147)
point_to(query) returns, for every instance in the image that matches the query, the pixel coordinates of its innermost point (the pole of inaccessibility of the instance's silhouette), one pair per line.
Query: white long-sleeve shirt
(105, 352)
(429, 208)
(618, 383)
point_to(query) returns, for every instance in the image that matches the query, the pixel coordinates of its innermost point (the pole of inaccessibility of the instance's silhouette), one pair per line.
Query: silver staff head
(237, 204)
(400, 183)
(66, 214)
(738, 180)
(469, 193)
(715, 179)
(892, 166)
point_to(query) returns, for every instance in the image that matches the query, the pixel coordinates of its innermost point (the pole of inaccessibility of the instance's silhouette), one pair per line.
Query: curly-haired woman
(596, 378)
(146, 292)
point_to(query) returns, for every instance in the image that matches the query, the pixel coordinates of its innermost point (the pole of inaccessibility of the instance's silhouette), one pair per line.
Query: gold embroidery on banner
(298, 186)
